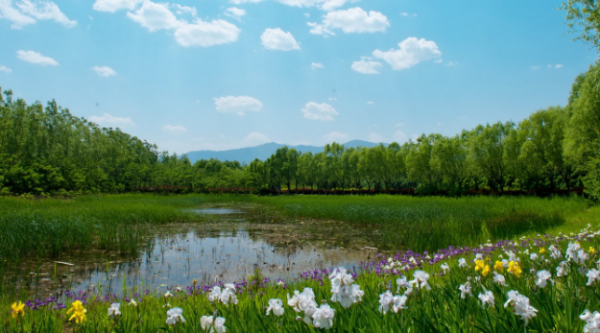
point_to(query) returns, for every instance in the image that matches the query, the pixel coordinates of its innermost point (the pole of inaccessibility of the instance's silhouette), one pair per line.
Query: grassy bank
(431, 223)
(46, 228)
(539, 288)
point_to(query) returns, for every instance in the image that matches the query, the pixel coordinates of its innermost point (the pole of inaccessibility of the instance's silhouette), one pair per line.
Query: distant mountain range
(262, 152)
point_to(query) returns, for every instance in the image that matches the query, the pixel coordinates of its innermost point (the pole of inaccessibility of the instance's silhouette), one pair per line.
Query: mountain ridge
(264, 151)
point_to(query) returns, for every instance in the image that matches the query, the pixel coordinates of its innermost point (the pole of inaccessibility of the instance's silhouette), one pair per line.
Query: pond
(228, 248)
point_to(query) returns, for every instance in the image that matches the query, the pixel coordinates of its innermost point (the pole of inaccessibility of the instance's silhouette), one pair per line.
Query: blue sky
(221, 74)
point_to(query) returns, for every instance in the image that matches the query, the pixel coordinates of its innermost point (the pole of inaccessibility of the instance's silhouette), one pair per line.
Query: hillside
(262, 152)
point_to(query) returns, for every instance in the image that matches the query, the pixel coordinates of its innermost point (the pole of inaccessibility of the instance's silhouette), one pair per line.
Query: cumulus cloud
(159, 16)
(332, 4)
(36, 58)
(155, 16)
(335, 136)
(255, 138)
(181, 10)
(238, 2)
(5, 69)
(110, 121)
(353, 20)
(400, 137)
(316, 65)
(366, 66)
(237, 104)
(558, 66)
(412, 51)
(205, 34)
(25, 12)
(235, 12)
(104, 71)
(112, 6)
(370, 102)
(277, 39)
(177, 129)
(316, 111)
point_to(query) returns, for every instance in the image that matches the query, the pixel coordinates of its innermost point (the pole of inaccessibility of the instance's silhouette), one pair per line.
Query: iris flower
(78, 312)
(275, 305)
(323, 317)
(487, 298)
(515, 268)
(18, 309)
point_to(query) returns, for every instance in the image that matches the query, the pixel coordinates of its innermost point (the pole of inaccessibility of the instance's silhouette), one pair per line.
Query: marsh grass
(49, 227)
(431, 223)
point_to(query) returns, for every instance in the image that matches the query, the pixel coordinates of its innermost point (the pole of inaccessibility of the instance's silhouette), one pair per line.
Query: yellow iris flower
(499, 266)
(18, 309)
(542, 250)
(479, 265)
(486, 270)
(592, 250)
(78, 312)
(514, 268)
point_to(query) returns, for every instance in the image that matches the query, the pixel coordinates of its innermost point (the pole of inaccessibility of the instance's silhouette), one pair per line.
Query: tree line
(48, 150)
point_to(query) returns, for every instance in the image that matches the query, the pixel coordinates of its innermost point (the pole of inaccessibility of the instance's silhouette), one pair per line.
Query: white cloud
(438, 61)
(315, 111)
(155, 16)
(104, 71)
(205, 34)
(399, 124)
(36, 58)
(25, 12)
(158, 16)
(178, 129)
(335, 136)
(5, 69)
(235, 12)
(412, 51)
(307, 15)
(404, 14)
(370, 102)
(237, 104)
(110, 121)
(400, 137)
(366, 66)
(181, 10)
(353, 20)
(558, 66)
(375, 137)
(300, 3)
(237, 2)
(316, 65)
(332, 4)
(332, 99)
(112, 6)
(255, 138)
(451, 64)
(277, 39)
(319, 29)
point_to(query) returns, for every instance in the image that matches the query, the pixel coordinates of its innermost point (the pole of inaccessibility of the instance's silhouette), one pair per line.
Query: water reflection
(223, 250)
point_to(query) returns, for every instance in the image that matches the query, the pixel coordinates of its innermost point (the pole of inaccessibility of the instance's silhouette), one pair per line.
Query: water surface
(229, 248)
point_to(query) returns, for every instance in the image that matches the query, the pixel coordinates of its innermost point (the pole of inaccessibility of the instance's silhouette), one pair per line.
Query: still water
(229, 248)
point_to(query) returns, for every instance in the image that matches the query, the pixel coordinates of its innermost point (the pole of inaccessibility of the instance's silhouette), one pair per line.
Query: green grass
(49, 227)
(441, 309)
(431, 223)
